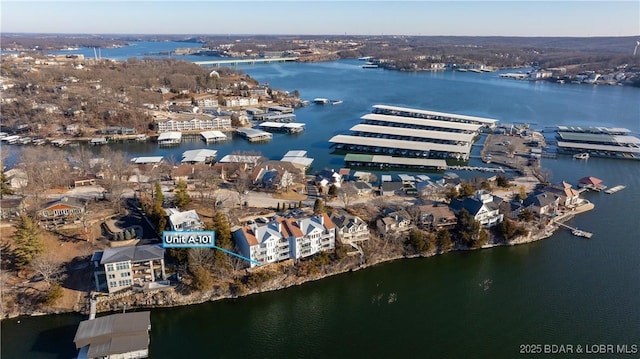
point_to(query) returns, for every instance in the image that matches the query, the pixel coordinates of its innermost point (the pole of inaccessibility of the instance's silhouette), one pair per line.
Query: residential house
(122, 335)
(285, 238)
(541, 203)
(184, 221)
(10, 207)
(394, 222)
(363, 188)
(435, 216)
(327, 177)
(277, 175)
(568, 196)
(350, 228)
(391, 188)
(511, 209)
(483, 206)
(124, 267)
(64, 210)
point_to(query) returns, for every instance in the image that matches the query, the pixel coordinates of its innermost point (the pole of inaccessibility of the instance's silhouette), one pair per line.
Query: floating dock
(575, 231)
(615, 189)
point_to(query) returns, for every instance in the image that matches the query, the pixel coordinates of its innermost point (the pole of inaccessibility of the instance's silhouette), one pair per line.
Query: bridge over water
(235, 62)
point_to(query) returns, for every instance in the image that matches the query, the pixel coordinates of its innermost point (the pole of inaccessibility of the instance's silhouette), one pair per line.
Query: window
(111, 276)
(109, 267)
(112, 284)
(125, 274)
(122, 266)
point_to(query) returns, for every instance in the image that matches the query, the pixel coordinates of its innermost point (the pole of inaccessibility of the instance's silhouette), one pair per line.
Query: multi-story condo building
(285, 238)
(212, 123)
(124, 267)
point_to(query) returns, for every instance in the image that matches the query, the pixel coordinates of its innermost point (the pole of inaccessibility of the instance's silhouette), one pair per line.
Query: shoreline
(171, 298)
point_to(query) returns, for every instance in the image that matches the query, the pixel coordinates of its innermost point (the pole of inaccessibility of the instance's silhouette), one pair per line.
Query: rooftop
(489, 121)
(201, 155)
(411, 132)
(132, 253)
(114, 334)
(460, 126)
(400, 144)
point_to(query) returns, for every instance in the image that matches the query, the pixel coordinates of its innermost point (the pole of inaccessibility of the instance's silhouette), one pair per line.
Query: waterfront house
(394, 222)
(350, 228)
(541, 203)
(125, 267)
(285, 238)
(568, 196)
(63, 210)
(511, 209)
(184, 221)
(483, 206)
(435, 216)
(122, 335)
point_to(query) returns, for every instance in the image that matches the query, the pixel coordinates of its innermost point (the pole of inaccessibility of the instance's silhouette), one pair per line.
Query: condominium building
(212, 123)
(285, 238)
(125, 267)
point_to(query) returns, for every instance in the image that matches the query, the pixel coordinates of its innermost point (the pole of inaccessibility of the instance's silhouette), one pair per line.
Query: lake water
(563, 290)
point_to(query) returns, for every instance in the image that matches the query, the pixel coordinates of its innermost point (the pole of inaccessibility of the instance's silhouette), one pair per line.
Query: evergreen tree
(28, 241)
(318, 206)
(159, 198)
(181, 197)
(443, 238)
(333, 190)
(4, 183)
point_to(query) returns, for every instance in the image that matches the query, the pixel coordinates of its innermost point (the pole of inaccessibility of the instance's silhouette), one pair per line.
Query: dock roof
(410, 132)
(401, 144)
(114, 334)
(598, 137)
(147, 160)
(200, 155)
(461, 126)
(209, 135)
(589, 146)
(484, 120)
(588, 129)
(173, 135)
(403, 161)
(253, 132)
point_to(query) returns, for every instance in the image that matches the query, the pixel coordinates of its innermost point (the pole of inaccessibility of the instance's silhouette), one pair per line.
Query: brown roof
(328, 222)
(590, 180)
(249, 235)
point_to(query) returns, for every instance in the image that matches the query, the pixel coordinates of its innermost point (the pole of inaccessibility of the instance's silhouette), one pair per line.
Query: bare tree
(347, 193)
(47, 266)
(200, 257)
(118, 168)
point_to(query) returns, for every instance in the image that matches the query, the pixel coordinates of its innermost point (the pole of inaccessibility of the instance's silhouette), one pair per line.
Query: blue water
(562, 290)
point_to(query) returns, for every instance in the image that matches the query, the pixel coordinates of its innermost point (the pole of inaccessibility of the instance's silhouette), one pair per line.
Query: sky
(306, 17)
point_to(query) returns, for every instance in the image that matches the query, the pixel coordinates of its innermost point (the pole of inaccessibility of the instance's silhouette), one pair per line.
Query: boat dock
(473, 168)
(615, 189)
(575, 231)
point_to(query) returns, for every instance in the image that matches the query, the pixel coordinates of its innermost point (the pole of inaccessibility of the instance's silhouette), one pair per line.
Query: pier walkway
(235, 62)
(575, 231)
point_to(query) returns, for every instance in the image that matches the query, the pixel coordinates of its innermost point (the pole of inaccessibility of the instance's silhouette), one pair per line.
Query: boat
(320, 101)
(370, 65)
(581, 156)
(336, 102)
(579, 233)
(364, 58)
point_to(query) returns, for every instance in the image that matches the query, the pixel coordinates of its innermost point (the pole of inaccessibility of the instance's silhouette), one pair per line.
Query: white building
(184, 221)
(350, 228)
(483, 206)
(286, 238)
(125, 267)
(195, 124)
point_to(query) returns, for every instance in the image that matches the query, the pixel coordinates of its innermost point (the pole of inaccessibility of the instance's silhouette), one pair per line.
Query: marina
(213, 136)
(583, 142)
